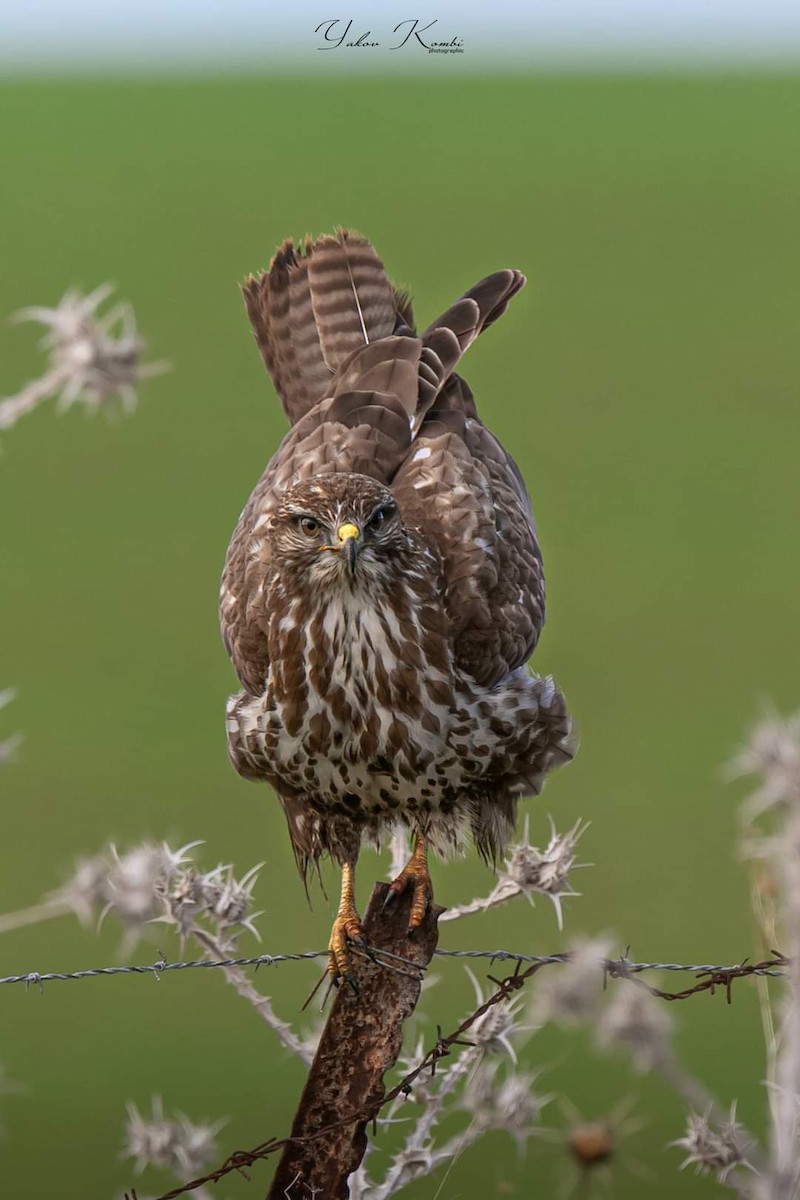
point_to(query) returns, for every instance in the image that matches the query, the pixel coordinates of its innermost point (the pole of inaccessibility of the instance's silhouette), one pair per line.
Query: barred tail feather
(313, 308)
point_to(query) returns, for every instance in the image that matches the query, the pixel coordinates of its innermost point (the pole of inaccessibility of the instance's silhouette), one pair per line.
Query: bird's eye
(309, 526)
(378, 517)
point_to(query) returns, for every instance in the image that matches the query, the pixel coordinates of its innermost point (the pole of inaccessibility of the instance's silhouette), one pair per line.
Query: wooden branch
(361, 1041)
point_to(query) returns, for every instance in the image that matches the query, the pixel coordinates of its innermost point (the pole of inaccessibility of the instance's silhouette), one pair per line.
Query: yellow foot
(414, 874)
(346, 929)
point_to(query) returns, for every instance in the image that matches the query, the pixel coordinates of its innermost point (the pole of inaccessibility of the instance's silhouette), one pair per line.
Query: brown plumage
(383, 588)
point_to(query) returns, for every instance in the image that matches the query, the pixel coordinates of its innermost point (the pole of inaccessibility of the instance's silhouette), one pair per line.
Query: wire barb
(710, 976)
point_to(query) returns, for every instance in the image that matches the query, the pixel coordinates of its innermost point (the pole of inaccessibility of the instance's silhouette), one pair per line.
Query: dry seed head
(529, 871)
(571, 994)
(93, 359)
(508, 1103)
(592, 1144)
(773, 753)
(169, 1143)
(229, 900)
(546, 871)
(713, 1151)
(635, 1020)
(494, 1031)
(86, 890)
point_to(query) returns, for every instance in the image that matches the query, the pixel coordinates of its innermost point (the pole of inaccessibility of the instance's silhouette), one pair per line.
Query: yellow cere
(347, 531)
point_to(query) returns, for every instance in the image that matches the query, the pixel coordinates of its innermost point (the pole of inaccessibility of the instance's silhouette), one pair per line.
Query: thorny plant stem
(31, 396)
(424, 1126)
(501, 894)
(785, 1080)
(34, 914)
(263, 1005)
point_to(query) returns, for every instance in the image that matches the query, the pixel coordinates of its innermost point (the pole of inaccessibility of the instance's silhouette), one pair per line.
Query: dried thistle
(216, 897)
(138, 883)
(772, 752)
(713, 1151)
(529, 871)
(636, 1020)
(508, 1101)
(169, 1143)
(495, 1030)
(228, 900)
(86, 891)
(772, 838)
(571, 995)
(592, 1143)
(596, 1145)
(93, 359)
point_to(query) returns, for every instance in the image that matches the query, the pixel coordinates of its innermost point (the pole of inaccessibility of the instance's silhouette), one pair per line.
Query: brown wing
(465, 494)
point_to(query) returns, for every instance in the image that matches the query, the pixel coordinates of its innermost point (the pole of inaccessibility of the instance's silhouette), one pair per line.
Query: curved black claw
(348, 978)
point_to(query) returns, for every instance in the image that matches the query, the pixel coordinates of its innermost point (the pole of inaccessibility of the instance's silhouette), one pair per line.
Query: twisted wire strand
(160, 967)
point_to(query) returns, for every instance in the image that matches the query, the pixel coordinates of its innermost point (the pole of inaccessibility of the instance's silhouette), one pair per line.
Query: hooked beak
(349, 538)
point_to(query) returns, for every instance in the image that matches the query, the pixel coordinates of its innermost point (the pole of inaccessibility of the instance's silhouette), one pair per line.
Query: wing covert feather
(464, 492)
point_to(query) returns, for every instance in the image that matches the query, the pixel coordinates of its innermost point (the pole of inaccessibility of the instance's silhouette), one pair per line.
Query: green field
(647, 382)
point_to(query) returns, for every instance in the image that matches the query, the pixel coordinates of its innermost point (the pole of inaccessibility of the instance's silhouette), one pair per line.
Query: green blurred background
(646, 380)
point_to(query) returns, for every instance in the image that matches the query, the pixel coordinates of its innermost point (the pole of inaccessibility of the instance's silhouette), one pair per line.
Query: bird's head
(337, 530)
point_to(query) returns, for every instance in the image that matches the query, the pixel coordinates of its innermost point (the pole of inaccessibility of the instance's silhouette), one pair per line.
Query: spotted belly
(378, 766)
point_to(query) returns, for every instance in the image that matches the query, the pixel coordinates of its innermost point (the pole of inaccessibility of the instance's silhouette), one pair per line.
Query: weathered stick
(361, 1041)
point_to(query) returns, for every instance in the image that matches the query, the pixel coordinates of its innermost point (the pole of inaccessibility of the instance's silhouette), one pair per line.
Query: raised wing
(466, 495)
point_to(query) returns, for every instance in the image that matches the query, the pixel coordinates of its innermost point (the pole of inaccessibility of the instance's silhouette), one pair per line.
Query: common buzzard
(383, 589)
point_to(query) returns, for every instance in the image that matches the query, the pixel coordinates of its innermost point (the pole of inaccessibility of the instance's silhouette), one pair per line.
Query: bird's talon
(414, 874)
(346, 931)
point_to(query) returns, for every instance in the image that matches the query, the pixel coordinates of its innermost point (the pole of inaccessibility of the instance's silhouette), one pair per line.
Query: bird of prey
(383, 589)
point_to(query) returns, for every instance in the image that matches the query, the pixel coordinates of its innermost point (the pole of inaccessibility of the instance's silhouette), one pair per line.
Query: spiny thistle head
(139, 880)
(771, 752)
(596, 1144)
(153, 883)
(571, 994)
(529, 871)
(495, 1030)
(169, 1143)
(506, 1101)
(635, 1020)
(592, 1143)
(94, 359)
(546, 871)
(713, 1151)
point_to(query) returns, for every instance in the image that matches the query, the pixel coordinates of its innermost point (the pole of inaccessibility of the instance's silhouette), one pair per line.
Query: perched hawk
(383, 588)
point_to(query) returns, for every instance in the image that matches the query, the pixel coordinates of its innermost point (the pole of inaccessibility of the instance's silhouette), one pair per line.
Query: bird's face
(337, 531)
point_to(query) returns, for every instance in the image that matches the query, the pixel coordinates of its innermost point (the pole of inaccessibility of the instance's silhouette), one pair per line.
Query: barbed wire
(712, 977)
(614, 968)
